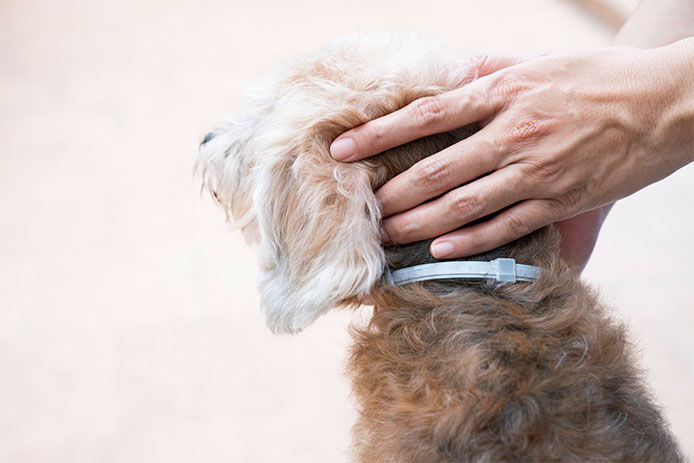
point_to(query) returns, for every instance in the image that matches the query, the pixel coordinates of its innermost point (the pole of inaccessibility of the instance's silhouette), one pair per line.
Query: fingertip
(342, 148)
(463, 243)
(383, 234)
(384, 202)
(442, 249)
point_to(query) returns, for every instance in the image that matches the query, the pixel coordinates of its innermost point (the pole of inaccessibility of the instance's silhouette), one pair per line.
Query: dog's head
(317, 219)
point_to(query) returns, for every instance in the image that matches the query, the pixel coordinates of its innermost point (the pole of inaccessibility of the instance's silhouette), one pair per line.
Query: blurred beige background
(129, 322)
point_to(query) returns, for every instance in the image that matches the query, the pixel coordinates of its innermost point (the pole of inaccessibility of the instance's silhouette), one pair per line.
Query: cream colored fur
(326, 253)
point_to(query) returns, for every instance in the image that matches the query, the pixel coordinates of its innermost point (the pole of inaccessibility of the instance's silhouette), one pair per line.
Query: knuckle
(433, 173)
(401, 230)
(569, 201)
(541, 169)
(464, 206)
(507, 84)
(428, 111)
(494, 146)
(374, 131)
(470, 100)
(475, 242)
(473, 68)
(527, 129)
(479, 61)
(514, 227)
(554, 206)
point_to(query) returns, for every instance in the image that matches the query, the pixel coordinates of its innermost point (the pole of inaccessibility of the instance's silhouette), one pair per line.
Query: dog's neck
(501, 270)
(527, 250)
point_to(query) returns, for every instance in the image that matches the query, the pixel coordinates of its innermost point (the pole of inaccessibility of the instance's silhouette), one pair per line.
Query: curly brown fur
(450, 371)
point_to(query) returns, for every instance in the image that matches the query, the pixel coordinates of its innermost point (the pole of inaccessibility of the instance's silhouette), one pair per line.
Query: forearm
(682, 114)
(656, 23)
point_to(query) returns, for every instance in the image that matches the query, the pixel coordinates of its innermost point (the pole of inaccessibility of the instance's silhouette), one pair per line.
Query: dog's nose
(208, 137)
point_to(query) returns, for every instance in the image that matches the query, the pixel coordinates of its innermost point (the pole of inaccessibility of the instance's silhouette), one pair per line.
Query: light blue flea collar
(503, 270)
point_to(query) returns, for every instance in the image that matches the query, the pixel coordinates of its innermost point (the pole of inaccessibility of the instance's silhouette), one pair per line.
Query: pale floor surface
(129, 322)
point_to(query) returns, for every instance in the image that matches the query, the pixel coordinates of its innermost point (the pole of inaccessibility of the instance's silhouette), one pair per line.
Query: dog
(446, 370)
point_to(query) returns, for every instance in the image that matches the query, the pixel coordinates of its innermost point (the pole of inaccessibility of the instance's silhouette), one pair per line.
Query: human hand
(579, 235)
(562, 134)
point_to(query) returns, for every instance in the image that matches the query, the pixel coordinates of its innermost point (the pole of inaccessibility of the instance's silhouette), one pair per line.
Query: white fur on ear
(317, 219)
(319, 246)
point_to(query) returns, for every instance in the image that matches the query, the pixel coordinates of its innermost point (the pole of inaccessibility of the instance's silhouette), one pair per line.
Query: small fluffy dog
(448, 370)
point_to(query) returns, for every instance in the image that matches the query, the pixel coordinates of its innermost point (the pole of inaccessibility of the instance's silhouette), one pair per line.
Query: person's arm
(563, 134)
(654, 23)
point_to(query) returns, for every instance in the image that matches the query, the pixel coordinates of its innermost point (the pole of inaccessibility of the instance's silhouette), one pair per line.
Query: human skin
(564, 135)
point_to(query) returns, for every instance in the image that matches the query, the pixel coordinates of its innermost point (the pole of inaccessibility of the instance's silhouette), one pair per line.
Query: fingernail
(384, 235)
(342, 148)
(442, 249)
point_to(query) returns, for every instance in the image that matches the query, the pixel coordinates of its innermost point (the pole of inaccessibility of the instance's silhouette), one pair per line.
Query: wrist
(685, 50)
(677, 122)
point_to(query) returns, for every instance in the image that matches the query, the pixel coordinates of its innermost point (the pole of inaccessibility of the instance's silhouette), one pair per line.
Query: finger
(439, 173)
(422, 117)
(478, 199)
(485, 64)
(511, 224)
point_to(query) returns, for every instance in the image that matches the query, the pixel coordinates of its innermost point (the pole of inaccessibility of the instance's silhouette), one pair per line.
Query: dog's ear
(318, 222)
(320, 245)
